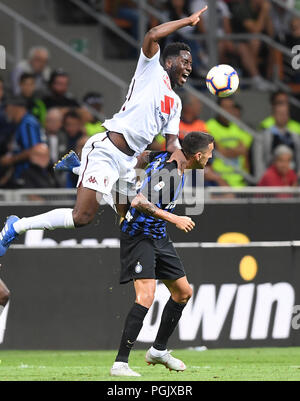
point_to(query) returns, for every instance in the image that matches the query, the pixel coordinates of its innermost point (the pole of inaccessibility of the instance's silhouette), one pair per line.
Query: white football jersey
(151, 106)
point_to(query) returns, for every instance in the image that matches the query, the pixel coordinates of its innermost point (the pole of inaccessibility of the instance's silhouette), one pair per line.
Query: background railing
(211, 195)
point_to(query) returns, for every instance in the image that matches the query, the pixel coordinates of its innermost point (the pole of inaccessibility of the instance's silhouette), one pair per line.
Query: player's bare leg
(180, 289)
(4, 304)
(86, 207)
(4, 296)
(181, 292)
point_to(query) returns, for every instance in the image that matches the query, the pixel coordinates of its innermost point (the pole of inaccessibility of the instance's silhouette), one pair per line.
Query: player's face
(203, 157)
(181, 68)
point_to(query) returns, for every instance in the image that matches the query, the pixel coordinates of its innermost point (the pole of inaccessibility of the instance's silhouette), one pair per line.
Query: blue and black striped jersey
(162, 186)
(28, 134)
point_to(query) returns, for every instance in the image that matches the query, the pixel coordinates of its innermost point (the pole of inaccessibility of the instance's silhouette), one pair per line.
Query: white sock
(155, 352)
(3, 317)
(57, 218)
(119, 364)
(76, 170)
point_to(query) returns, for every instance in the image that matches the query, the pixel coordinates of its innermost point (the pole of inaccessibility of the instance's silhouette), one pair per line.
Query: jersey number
(167, 105)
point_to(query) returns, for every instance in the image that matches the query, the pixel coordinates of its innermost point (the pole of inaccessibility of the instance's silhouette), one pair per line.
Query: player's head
(177, 60)
(198, 148)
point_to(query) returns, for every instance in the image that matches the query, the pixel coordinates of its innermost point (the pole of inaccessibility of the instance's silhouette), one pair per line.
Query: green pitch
(239, 364)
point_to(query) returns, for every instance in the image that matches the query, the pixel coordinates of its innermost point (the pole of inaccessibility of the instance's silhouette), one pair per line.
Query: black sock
(132, 328)
(169, 320)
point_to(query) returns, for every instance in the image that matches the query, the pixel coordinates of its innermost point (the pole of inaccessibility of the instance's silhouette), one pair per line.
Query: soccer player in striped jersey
(148, 254)
(151, 107)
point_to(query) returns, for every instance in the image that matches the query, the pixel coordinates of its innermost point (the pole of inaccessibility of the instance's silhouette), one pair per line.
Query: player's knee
(186, 295)
(4, 296)
(146, 299)
(82, 218)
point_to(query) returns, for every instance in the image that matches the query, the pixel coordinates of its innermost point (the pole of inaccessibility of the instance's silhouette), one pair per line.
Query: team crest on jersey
(138, 268)
(158, 187)
(106, 181)
(156, 164)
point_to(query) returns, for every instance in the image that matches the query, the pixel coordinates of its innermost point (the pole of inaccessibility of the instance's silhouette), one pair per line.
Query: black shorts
(146, 258)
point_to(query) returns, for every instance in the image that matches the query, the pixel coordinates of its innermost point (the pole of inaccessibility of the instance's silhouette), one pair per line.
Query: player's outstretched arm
(150, 45)
(143, 205)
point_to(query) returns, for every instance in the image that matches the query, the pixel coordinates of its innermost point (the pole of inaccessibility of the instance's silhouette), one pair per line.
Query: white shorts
(104, 167)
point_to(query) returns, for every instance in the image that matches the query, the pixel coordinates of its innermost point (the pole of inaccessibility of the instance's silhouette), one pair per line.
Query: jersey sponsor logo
(138, 268)
(158, 187)
(163, 120)
(92, 180)
(171, 205)
(167, 105)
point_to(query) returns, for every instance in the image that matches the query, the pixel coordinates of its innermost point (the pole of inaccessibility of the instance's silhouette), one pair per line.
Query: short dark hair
(174, 49)
(71, 114)
(196, 142)
(274, 96)
(26, 75)
(57, 73)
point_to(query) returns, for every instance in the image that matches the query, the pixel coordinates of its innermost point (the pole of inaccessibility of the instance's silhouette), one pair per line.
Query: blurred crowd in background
(40, 120)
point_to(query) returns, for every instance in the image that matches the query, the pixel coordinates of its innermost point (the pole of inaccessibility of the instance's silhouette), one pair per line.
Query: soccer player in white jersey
(151, 107)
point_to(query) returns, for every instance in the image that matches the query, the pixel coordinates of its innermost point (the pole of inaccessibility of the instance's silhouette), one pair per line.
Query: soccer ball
(222, 80)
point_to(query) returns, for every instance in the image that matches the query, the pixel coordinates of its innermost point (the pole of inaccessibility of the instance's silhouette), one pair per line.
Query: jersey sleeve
(31, 135)
(172, 127)
(146, 64)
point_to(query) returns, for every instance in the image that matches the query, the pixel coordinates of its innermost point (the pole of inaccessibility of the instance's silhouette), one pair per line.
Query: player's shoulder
(159, 156)
(159, 161)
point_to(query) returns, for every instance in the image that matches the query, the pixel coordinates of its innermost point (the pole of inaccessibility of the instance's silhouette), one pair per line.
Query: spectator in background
(178, 9)
(40, 173)
(276, 99)
(280, 173)
(56, 138)
(27, 135)
(253, 16)
(7, 129)
(190, 116)
(59, 95)
(76, 138)
(127, 9)
(281, 18)
(36, 64)
(223, 14)
(91, 113)
(232, 143)
(34, 105)
(279, 134)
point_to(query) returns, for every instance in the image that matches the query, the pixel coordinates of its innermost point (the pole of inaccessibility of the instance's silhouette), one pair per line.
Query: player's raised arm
(150, 45)
(143, 205)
